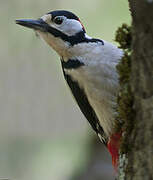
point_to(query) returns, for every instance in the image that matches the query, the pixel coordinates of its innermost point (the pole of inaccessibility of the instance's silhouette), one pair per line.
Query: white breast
(99, 79)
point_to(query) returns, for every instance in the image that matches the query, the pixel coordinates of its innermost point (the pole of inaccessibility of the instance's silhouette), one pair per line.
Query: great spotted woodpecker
(89, 67)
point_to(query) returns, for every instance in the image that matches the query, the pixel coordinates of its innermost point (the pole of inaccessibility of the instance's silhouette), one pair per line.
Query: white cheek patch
(71, 27)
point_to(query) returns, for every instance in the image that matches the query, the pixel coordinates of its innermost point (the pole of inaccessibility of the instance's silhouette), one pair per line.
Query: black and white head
(60, 29)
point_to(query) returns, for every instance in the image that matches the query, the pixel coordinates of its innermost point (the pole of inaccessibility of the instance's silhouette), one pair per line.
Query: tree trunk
(137, 163)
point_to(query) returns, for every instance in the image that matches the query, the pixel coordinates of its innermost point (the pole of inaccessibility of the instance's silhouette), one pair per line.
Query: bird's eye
(58, 20)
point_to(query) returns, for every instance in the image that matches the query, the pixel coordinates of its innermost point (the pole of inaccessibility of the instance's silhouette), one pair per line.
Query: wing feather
(85, 106)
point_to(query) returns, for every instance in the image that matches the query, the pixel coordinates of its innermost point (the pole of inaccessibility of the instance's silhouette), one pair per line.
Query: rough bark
(137, 163)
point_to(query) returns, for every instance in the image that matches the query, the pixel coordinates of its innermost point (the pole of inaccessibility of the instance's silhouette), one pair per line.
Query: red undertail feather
(113, 146)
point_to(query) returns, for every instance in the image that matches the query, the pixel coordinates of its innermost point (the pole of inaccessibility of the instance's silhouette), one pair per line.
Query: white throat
(64, 48)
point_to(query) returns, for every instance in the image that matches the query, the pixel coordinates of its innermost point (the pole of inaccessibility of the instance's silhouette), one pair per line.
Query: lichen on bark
(125, 113)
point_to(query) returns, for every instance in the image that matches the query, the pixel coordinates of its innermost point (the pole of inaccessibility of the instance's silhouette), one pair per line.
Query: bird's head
(60, 29)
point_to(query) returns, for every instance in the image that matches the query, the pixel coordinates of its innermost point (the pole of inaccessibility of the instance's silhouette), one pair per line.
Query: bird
(89, 68)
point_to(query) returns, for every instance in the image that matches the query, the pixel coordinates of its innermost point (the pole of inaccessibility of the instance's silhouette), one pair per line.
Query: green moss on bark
(125, 115)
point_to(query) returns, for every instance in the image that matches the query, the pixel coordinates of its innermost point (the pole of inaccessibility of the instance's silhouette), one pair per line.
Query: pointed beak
(33, 24)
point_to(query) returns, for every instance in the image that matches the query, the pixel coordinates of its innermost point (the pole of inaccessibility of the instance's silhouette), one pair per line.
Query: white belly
(101, 88)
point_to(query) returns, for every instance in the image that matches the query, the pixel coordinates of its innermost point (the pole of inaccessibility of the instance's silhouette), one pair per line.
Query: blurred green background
(43, 134)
